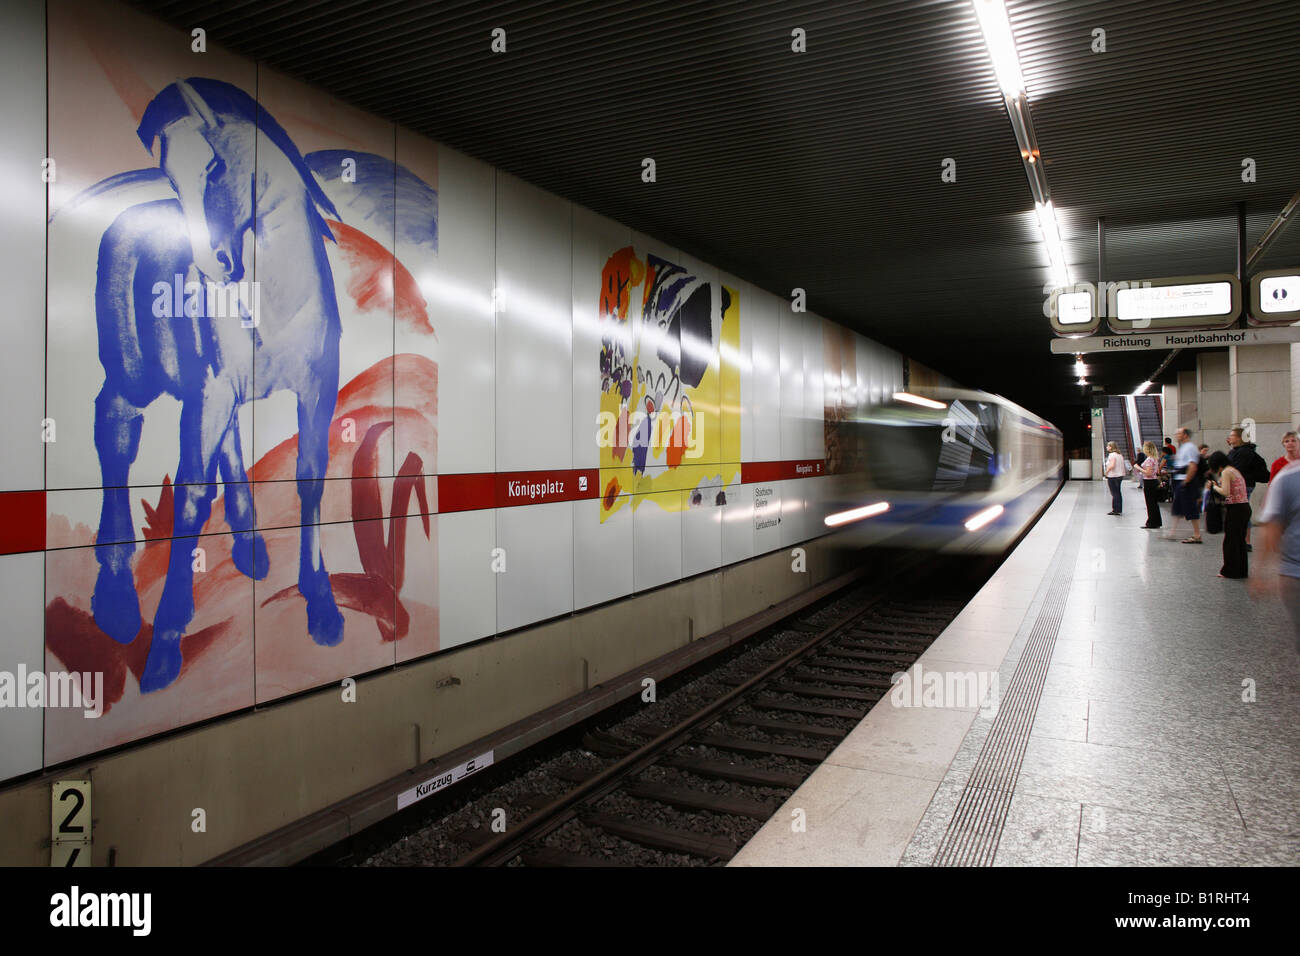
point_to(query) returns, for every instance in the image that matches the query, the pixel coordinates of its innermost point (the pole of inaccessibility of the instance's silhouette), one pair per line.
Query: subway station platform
(1146, 713)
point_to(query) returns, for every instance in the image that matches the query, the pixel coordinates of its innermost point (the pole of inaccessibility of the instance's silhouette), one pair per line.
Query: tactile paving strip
(976, 827)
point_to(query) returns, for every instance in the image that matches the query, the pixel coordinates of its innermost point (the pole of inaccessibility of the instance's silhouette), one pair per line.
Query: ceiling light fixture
(1001, 45)
(1052, 240)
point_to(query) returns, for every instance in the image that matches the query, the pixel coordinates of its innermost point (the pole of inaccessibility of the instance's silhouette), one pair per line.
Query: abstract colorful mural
(670, 408)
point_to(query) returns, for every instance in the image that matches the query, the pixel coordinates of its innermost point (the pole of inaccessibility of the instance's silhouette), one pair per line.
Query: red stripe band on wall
(512, 489)
(764, 471)
(22, 521)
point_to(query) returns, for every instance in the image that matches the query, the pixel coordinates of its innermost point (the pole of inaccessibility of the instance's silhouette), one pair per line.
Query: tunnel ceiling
(822, 170)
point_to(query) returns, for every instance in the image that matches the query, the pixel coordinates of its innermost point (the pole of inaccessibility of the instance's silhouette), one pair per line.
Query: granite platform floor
(1163, 729)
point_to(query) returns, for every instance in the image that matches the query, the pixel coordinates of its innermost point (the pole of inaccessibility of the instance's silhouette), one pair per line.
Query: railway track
(691, 791)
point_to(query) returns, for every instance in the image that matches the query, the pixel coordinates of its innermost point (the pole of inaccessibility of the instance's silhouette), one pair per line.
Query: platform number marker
(70, 823)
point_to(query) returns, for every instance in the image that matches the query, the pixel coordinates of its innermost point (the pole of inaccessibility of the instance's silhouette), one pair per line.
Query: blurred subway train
(952, 470)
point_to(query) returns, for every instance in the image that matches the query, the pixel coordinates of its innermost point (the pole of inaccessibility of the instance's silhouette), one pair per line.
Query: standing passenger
(1228, 482)
(1114, 478)
(1150, 473)
(1242, 457)
(1281, 528)
(1291, 453)
(1186, 487)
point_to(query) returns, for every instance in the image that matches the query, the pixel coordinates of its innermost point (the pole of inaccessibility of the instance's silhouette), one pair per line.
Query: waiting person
(1280, 525)
(1137, 466)
(1247, 462)
(1115, 478)
(1149, 470)
(1290, 453)
(1227, 481)
(1187, 487)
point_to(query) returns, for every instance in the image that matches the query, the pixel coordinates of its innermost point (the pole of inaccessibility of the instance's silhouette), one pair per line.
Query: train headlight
(856, 514)
(981, 518)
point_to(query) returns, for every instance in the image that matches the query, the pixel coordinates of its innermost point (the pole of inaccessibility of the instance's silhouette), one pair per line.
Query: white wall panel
(595, 239)
(744, 361)
(657, 536)
(738, 524)
(865, 392)
(766, 503)
(814, 388)
(765, 375)
(22, 591)
(602, 553)
(457, 285)
(22, 248)
(793, 509)
(534, 329)
(702, 532)
(467, 607)
(538, 582)
(792, 390)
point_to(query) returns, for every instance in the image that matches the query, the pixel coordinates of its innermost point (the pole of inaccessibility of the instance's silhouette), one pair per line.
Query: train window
(954, 452)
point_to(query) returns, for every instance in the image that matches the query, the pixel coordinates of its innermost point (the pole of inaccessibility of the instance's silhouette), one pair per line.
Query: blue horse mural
(236, 174)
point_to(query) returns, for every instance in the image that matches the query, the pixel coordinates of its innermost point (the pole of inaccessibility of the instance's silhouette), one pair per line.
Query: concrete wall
(1261, 384)
(1168, 410)
(1213, 399)
(1186, 413)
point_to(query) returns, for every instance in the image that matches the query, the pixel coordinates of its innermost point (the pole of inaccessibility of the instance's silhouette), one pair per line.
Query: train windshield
(955, 450)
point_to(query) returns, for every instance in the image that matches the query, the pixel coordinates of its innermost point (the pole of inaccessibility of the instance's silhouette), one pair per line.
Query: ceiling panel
(822, 170)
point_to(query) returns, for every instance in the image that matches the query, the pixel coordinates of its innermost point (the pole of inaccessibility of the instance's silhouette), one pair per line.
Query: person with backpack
(1247, 461)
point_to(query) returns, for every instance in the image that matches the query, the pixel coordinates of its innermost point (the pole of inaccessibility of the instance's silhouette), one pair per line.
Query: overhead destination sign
(1181, 302)
(1153, 341)
(1139, 305)
(1275, 297)
(1174, 301)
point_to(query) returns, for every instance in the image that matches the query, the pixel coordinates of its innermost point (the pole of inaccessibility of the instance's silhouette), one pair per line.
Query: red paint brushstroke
(379, 280)
(376, 591)
(72, 636)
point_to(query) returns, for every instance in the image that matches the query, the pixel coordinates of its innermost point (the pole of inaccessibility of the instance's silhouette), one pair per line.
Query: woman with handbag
(1228, 482)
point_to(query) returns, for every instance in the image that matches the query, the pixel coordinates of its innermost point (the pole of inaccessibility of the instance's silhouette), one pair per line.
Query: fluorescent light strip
(918, 400)
(856, 514)
(981, 518)
(1001, 46)
(1052, 239)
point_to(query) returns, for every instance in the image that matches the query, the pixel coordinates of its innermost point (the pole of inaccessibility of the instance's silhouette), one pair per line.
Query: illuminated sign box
(1275, 297)
(1072, 310)
(1178, 302)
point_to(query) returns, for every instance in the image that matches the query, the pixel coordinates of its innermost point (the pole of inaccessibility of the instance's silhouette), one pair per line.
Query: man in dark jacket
(1242, 456)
